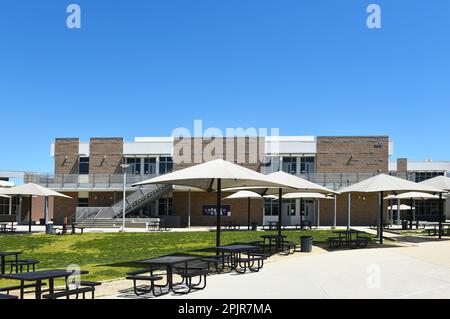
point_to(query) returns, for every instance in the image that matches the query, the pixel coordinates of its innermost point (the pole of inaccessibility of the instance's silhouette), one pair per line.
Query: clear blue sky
(143, 68)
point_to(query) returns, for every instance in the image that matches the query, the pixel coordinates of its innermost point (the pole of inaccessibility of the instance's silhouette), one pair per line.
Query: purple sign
(210, 210)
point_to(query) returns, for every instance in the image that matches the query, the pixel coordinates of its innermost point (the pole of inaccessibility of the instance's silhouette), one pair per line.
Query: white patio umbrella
(6, 184)
(441, 182)
(4, 196)
(214, 176)
(383, 183)
(411, 196)
(315, 196)
(33, 190)
(249, 196)
(292, 184)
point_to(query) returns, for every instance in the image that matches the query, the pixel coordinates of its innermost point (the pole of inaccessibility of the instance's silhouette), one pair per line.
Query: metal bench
(249, 262)
(334, 242)
(138, 275)
(362, 242)
(288, 248)
(73, 292)
(24, 263)
(13, 288)
(188, 275)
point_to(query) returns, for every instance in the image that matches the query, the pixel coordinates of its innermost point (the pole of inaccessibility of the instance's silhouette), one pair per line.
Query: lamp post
(124, 207)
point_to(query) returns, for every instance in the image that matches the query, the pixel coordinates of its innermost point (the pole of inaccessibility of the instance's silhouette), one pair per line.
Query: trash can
(404, 225)
(254, 226)
(306, 243)
(41, 221)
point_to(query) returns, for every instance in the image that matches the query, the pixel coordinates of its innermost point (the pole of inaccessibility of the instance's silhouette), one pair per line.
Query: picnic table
(272, 225)
(279, 240)
(348, 235)
(3, 256)
(434, 231)
(169, 262)
(38, 277)
(235, 252)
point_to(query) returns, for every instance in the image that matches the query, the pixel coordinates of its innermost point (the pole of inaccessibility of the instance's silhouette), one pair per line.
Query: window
(290, 165)
(423, 176)
(307, 165)
(271, 165)
(165, 165)
(150, 166)
(83, 202)
(83, 166)
(427, 210)
(4, 205)
(271, 207)
(135, 166)
(291, 207)
(165, 207)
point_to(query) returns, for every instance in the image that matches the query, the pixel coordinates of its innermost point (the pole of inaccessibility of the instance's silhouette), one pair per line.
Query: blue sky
(143, 68)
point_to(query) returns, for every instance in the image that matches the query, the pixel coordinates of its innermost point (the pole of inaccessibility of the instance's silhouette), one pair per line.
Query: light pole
(124, 207)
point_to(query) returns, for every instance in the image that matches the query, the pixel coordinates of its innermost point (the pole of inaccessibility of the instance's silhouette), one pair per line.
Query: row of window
(271, 207)
(4, 205)
(165, 165)
(423, 176)
(290, 164)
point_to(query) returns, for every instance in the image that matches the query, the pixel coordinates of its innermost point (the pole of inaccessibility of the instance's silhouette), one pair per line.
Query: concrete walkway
(419, 271)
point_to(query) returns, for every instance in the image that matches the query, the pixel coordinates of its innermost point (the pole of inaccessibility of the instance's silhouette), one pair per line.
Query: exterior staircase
(140, 198)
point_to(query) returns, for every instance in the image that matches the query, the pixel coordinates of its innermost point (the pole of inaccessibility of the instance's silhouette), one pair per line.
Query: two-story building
(92, 174)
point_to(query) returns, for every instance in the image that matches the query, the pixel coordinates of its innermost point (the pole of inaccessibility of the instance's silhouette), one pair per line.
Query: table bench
(73, 292)
(244, 263)
(137, 276)
(13, 288)
(187, 276)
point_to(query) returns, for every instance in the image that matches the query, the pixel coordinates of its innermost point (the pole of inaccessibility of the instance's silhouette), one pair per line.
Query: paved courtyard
(420, 270)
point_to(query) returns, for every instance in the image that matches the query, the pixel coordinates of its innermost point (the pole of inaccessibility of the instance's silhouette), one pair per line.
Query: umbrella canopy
(390, 184)
(4, 196)
(205, 176)
(292, 184)
(385, 183)
(31, 190)
(402, 207)
(214, 175)
(413, 195)
(244, 194)
(306, 196)
(6, 184)
(441, 182)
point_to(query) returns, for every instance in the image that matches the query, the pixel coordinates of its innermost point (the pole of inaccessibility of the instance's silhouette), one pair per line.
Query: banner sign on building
(210, 210)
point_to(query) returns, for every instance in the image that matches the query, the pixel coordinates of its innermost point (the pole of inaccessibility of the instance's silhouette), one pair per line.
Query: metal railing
(74, 181)
(83, 181)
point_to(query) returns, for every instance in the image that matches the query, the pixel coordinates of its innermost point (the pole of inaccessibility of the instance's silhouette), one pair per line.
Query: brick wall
(352, 154)
(64, 207)
(106, 155)
(248, 151)
(402, 165)
(66, 155)
(238, 209)
(364, 210)
(102, 199)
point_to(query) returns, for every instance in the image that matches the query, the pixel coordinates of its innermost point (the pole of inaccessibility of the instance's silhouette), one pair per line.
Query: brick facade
(199, 199)
(66, 155)
(368, 154)
(106, 155)
(247, 151)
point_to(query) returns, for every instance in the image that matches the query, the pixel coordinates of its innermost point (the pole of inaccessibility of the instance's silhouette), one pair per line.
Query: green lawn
(111, 255)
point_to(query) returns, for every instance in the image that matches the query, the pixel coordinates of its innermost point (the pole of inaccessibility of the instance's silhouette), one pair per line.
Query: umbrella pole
(31, 209)
(381, 218)
(218, 210)
(441, 206)
(248, 216)
(280, 209)
(349, 211)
